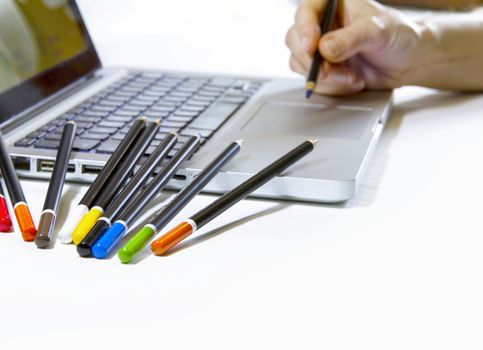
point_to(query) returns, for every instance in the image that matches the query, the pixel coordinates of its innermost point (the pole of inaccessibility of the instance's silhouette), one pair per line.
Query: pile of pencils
(119, 194)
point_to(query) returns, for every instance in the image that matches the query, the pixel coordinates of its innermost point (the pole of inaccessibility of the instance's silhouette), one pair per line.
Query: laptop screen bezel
(33, 91)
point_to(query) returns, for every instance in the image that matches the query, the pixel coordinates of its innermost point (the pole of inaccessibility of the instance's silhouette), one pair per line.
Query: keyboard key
(224, 82)
(99, 108)
(111, 103)
(118, 136)
(87, 119)
(93, 136)
(106, 124)
(172, 124)
(176, 93)
(133, 108)
(161, 108)
(175, 99)
(188, 108)
(84, 125)
(191, 114)
(149, 150)
(99, 130)
(174, 118)
(197, 103)
(108, 146)
(97, 114)
(26, 142)
(123, 113)
(53, 137)
(35, 135)
(206, 93)
(215, 116)
(208, 99)
(140, 102)
(47, 144)
(115, 118)
(156, 114)
(83, 145)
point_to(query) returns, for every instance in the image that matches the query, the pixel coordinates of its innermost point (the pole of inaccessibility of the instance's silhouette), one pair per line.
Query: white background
(397, 267)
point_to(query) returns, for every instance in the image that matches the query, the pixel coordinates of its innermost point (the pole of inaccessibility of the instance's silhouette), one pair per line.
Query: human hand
(375, 47)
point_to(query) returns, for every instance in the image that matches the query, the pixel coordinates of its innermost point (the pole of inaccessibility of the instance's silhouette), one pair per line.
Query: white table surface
(397, 267)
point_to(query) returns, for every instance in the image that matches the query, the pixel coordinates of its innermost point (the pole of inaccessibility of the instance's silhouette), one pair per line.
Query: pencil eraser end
(25, 222)
(99, 251)
(86, 224)
(5, 221)
(109, 240)
(125, 255)
(65, 234)
(5, 224)
(84, 250)
(42, 242)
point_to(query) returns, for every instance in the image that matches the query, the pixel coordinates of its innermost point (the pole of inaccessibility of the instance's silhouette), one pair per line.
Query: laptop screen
(44, 46)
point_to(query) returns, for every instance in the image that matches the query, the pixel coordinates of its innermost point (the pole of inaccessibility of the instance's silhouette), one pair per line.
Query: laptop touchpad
(308, 119)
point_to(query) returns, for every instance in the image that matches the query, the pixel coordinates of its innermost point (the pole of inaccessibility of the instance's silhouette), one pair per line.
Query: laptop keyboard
(187, 105)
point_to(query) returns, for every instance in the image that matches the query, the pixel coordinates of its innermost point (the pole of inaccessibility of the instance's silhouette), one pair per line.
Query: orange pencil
(20, 208)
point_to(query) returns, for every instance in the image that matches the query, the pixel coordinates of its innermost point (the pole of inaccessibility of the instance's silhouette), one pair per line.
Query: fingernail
(341, 78)
(305, 44)
(334, 46)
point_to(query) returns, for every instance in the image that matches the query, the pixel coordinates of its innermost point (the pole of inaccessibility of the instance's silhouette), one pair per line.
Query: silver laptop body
(274, 120)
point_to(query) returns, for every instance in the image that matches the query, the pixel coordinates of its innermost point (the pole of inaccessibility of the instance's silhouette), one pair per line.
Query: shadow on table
(213, 233)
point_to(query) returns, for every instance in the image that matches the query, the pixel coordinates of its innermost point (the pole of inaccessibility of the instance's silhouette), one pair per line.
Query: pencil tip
(240, 142)
(309, 89)
(174, 133)
(313, 141)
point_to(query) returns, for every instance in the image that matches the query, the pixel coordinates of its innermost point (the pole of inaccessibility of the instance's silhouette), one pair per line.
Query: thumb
(362, 35)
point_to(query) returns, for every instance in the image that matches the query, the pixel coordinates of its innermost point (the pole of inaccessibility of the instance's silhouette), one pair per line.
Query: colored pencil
(19, 203)
(127, 193)
(141, 238)
(108, 241)
(65, 235)
(5, 221)
(116, 182)
(326, 24)
(54, 191)
(186, 228)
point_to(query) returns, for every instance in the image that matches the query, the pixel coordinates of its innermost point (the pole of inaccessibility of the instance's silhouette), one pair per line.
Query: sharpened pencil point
(240, 142)
(309, 89)
(314, 141)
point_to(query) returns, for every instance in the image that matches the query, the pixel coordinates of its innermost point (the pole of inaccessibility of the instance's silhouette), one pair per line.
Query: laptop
(50, 73)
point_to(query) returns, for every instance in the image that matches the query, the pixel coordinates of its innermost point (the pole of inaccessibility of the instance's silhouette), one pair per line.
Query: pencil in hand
(326, 24)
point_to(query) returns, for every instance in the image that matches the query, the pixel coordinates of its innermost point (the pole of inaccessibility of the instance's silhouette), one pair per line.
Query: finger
(293, 42)
(307, 26)
(338, 80)
(297, 67)
(362, 35)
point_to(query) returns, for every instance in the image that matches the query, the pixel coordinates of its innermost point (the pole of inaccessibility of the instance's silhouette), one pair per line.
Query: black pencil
(127, 193)
(51, 204)
(186, 228)
(167, 213)
(65, 235)
(20, 207)
(106, 243)
(115, 183)
(326, 24)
